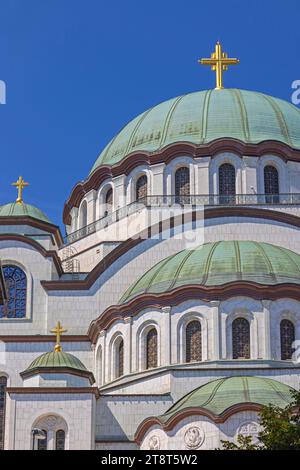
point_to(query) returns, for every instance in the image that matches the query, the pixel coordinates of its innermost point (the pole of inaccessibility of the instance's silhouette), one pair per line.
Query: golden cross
(58, 330)
(219, 62)
(20, 185)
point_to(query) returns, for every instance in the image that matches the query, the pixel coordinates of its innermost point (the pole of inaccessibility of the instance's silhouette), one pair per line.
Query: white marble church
(170, 312)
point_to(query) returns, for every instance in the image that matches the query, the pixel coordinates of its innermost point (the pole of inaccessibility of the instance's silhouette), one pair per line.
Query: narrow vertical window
(287, 338)
(141, 188)
(60, 438)
(193, 342)
(240, 339)
(42, 444)
(182, 185)
(120, 358)
(227, 183)
(151, 349)
(83, 215)
(271, 181)
(3, 385)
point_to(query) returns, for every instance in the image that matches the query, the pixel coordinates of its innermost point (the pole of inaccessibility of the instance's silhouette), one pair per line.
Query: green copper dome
(219, 263)
(15, 209)
(56, 360)
(204, 116)
(219, 395)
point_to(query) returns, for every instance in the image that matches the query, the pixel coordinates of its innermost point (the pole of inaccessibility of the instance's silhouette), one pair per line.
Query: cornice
(52, 390)
(32, 222)
(165, 155)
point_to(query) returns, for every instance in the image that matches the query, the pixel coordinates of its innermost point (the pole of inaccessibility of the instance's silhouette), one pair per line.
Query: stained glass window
(151, 349)
(60, 438)
(16, 284)
(3, 384)
(193, 342)
(287, 337)
(227, 183)
(141, 188)
(120, 358)
(42, 444)
(271, 184)
(182, 185)
(240, 339)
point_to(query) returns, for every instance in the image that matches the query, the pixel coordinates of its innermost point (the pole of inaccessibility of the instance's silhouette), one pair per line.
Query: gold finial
(20, 185)
(58, 330)
(219, 62)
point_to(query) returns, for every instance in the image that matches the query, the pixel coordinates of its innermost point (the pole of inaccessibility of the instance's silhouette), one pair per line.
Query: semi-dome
(221, 394)
(214, 264)
(204, 116)
(17, 209)
(57, 361)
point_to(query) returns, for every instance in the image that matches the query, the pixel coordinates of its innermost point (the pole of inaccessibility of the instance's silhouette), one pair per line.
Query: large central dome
(204, 116)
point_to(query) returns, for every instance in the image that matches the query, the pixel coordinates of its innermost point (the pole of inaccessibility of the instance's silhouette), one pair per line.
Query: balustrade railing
(191, 200)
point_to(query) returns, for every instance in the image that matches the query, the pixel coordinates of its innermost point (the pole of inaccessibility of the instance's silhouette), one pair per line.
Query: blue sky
(76, 71)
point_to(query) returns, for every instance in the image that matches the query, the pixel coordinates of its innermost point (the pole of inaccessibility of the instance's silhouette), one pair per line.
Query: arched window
(151, 349)
(240, 339)
(271, 181)
(227, 183)
(182, 185)
(287, 337)
(60, 438)
(141, 188)
(193, 342)
(3, 385)
(42, 444)
(108, 202)
(83, 215)
(16, 284)
(120, 358)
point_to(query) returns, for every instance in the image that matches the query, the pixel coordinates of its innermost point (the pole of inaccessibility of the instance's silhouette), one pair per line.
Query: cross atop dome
(58, 330)
(219, 62)
(20, 184)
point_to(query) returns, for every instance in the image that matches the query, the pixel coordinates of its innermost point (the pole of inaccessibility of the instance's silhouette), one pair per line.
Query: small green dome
(57, 360)
(218, 263)
(221, 394)
(204, 116)
(15, 209)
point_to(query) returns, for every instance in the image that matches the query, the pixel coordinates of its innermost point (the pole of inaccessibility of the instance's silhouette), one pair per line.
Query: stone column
(128, 345)
(119, 199)
(157, 180)
(91, 206)
(202, 179)
(215, 336)
(249, 183)
(267, 327)
(165, 340)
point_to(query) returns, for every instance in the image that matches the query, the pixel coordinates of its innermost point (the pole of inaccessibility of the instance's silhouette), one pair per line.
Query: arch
(117, 354)
(141, 188)
(83, 215)
(271, 184)
(3, 385)
(240, 338)
(182, 185)
(193, 341)
(227, 183)
(51, 424)
(287, 338)
(16, 283)
(151, 349)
